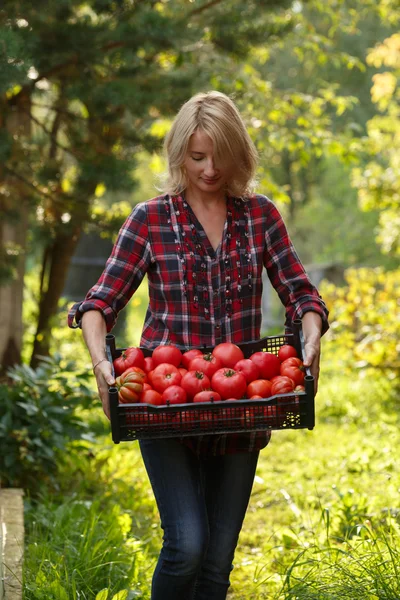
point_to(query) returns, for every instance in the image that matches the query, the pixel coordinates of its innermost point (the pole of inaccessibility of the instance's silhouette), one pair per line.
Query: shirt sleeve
(124, 270)
(287, 274)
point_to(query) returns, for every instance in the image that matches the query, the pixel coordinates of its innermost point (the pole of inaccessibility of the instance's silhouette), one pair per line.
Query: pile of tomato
(170, 376)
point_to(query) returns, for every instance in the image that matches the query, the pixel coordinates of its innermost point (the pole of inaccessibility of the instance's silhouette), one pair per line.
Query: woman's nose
(210, 167)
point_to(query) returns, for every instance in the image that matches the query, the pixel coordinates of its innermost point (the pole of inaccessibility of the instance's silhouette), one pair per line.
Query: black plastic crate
(294, 410)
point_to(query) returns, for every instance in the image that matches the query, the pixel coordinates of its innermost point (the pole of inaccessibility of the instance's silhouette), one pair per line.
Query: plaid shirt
(199, 296)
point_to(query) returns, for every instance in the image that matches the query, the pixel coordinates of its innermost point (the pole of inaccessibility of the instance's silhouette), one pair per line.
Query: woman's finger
(105, 379)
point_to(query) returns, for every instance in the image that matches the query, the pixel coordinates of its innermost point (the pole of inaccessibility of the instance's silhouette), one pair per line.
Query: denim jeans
(202, 502)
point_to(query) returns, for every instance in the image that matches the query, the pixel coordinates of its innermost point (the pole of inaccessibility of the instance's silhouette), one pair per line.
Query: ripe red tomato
(295, 373)
(247, 418)
(165, 375)
(282, 385)
(194, 382)
(149, 377)
(207, 396)
(207, 363)
(182, 371)
(293, 361)
(286, 351)
(129, 387)
(229, 383)
(146, 386)
(268, 364)
(229, 354)
(136, 370)
(229, 418)
(167, 353)
(188, 356)
(208, 419)
(299, 388)
(131, 357)
(148, 364)
(184, 420)
(151, 397)
(174, 394)
(253, 415)
(248, 368)
(261, 387)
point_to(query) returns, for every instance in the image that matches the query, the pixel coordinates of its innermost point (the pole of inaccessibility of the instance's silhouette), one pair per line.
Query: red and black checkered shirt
(199, 296)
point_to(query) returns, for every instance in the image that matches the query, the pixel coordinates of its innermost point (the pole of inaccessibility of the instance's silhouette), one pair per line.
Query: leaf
(122, 595)
(103, 594)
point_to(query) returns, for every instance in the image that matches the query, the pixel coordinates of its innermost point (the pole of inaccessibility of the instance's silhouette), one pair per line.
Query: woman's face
(203, 173)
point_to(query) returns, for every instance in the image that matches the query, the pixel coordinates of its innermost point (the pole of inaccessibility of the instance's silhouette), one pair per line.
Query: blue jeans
(202, 503)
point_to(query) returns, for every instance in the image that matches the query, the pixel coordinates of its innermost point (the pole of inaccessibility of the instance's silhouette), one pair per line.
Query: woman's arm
(94, 331)
(312, 327)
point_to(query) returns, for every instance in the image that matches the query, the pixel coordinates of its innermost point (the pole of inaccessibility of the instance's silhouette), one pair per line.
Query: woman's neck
(194, 198)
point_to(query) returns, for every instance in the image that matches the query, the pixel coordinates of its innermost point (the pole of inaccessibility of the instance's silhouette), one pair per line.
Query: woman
(203, 245)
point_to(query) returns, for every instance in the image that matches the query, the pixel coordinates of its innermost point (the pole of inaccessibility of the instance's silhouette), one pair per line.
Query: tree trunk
(59, 256)
(11, 293)
(13, 232)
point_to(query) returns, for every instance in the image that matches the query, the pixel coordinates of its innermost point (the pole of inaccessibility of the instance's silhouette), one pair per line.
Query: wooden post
(11, 543)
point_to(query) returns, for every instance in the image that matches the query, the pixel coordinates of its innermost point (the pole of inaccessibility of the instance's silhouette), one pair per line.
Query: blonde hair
(216, 115)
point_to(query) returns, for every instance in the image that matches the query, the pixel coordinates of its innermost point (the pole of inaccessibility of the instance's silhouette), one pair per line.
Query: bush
(365, 319)
(39, 416)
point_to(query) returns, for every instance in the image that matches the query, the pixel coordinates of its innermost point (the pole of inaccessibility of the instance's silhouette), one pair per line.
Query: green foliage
(378, 182)
(333, 201)
(365, 319)
(39, 418)
(9, 256)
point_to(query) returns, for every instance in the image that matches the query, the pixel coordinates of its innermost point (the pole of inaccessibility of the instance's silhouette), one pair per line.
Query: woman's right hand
(104, 379)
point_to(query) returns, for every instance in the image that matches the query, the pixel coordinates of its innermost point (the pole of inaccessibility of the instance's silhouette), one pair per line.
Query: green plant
(365, 568)
(365, 320)
(87, 550)
(39, 416)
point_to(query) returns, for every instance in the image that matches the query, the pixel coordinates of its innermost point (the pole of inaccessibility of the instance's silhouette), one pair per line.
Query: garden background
(87, 92)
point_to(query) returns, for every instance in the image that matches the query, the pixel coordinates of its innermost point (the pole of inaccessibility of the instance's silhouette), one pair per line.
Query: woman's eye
(197, 158)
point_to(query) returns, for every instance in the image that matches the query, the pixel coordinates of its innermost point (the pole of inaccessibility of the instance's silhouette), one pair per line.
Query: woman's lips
(210, 181)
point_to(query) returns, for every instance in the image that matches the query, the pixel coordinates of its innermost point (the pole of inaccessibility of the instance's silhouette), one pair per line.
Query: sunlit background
(87, 93)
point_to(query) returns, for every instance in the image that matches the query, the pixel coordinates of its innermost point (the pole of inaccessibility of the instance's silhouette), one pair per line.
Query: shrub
(39, 416)
(365, 319)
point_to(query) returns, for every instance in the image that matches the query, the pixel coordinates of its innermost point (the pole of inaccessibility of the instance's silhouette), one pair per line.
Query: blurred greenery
(87, 93)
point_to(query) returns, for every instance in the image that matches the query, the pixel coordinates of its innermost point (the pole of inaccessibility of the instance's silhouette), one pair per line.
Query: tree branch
(201, 9)
(54, 130)
(52, 135)
(63, 111)
(30, 184)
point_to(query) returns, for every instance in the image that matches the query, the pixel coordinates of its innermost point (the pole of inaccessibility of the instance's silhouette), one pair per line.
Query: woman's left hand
(312, 324)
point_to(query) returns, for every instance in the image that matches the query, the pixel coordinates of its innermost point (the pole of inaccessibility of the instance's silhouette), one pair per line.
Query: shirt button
(217, 326)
